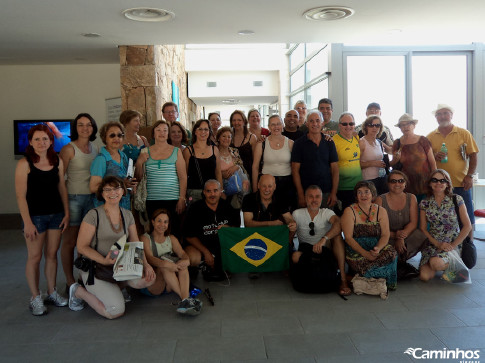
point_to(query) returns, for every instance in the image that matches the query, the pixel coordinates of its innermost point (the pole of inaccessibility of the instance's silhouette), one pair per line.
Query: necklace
(226, 158)
(369, 215)
(115, 230)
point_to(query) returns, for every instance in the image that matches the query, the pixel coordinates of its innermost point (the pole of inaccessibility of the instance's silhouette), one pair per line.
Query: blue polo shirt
(315, 162)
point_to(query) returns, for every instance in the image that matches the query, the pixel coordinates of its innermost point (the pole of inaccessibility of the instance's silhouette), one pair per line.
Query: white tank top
(78, 171)
(277, 162)
(371, 153)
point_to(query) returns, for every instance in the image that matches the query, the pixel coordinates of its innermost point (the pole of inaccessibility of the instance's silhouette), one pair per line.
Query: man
(329, 127)
(348, 151)
(170, 112)
(318, 230)
(386, 137)
(300, 107)
(260, 209)
(314, 161)
(462, 155)
(204, 219)
(291, 125)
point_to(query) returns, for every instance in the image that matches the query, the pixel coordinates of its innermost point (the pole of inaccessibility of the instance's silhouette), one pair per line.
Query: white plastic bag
(457, 272)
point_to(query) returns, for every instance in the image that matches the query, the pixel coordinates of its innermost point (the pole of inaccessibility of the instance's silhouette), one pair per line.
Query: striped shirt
(162, 178)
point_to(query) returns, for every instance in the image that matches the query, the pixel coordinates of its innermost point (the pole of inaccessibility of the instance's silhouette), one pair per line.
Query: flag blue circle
(255, 249)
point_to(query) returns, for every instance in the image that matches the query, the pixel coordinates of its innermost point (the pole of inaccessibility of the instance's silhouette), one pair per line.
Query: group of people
(330, 184)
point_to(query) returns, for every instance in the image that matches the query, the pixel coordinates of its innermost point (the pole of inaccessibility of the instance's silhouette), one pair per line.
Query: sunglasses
(374, 125)
(312, 228)
(347, 123)
(442, 181)
(112, 136)
(394, 181)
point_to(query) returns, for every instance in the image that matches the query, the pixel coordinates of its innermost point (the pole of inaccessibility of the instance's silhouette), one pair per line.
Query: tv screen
(60, 128)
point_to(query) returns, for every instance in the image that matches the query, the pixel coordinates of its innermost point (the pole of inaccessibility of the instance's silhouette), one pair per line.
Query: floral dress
(442, 225)
(367, 233)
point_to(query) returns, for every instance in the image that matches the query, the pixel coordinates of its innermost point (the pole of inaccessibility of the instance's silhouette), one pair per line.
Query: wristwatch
(326, 238)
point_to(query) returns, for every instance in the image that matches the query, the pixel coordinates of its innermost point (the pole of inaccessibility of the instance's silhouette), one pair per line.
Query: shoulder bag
(468, 249)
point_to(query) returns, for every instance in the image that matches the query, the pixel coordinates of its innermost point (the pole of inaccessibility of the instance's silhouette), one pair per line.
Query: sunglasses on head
(312, 228)
(394, 181)
(374, 125)
(112, 136)
(347, 123)
(442, 181)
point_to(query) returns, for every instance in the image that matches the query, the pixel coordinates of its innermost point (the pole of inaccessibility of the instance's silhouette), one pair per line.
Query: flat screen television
(60, 128)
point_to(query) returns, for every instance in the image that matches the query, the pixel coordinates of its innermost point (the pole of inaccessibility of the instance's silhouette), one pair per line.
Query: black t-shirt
(293, 135)
(202, 222)
(252, 203)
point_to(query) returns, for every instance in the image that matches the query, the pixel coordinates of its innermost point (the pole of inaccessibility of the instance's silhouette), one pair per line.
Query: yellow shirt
(456, 166)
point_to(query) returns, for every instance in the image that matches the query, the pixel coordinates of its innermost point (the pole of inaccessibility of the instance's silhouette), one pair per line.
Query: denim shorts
(48, 221)
(79, 205)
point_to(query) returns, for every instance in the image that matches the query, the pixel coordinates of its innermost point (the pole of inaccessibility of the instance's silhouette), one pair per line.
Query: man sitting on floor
(320, 242)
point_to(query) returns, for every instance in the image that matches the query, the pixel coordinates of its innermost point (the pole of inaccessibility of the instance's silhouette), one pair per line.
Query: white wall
(51, 92)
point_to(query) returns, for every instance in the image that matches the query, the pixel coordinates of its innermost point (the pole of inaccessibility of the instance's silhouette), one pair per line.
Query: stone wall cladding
(146, 76)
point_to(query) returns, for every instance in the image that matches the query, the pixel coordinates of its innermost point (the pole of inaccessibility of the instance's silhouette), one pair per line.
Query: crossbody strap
(192, 152)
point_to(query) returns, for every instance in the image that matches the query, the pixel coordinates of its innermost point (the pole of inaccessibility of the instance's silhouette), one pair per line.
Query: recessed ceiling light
(326, 13)
(148, 14)
(230, 101)
(91, 35)
(245, 32)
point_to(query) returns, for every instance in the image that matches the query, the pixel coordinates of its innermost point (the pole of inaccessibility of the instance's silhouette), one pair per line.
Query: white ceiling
(49, 31)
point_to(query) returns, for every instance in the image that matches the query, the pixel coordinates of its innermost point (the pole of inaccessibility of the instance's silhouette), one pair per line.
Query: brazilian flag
(256, 249)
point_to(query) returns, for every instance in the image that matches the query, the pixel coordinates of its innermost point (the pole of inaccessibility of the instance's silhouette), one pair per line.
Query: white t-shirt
(321, 224)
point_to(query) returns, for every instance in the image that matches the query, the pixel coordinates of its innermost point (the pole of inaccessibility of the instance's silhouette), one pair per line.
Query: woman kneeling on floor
(101, 228)
(164, 252)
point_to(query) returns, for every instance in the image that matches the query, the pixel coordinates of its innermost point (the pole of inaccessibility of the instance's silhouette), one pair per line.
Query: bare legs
(67, 253)
(428, 271)
(177, 282)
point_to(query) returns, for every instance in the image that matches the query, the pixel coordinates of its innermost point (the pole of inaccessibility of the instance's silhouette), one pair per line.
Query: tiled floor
(262, 320)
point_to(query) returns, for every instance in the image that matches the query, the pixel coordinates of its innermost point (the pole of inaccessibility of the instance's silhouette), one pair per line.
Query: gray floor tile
(471, 317)
(369, 358)
(384, 341)
(463, 337)
(261, 326)
(433, 300)
(419, 319)
(339, 322)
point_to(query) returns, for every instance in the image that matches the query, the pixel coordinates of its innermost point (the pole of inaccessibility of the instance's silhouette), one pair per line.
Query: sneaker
(37, 307)
(126, 295)
(189, 306)
(56, 299)
(75, 303)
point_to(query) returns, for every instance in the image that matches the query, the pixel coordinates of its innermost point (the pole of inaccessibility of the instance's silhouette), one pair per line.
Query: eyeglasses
(109, 190)
(442, 181)
(374, 125)
(203, 130)
(347, 123)
(170, 112)
(112, 136)
(394, 181)
(312, 228)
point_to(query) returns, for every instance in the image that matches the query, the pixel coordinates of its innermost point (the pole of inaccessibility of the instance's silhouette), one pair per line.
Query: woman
(215, 120)
(166, 175)
(202, 161)
(77, 157)
(165, 254)
(178, 135)
(42, 201)
(439, 223)
(101, 228)
(243, 141)
(111, 161)
(254, 118)
(402, 210)
(415, 154)
(366, 230)
(231, 163)
(275, 156)
(132, 142)
(372, 154)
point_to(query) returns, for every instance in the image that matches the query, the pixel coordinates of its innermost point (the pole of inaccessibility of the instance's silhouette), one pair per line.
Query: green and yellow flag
(257, 249)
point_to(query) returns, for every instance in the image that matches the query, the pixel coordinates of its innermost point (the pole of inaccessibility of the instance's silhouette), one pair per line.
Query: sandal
(344, 290)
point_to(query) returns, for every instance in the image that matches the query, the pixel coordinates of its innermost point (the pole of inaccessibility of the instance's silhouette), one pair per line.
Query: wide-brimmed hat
(406, 118)
(442, 106)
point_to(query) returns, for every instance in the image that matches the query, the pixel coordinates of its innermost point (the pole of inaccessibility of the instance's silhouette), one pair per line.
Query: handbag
(86, 264)
(141, 193)
(194, 195)
(233, 184)
(385, 158)
(468, 248)
(370, 286)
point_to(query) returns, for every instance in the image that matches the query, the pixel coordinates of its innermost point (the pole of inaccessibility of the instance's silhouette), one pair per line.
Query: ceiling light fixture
(326, 13)
(245, 32)
(91, 35)
(230, 101)
(148, 14)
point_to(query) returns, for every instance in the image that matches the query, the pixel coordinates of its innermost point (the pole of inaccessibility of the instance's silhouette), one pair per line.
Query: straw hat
(406, 118)
(443, 106)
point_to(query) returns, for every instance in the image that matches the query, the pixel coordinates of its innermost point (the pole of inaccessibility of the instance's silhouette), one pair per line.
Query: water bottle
(444, 149)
